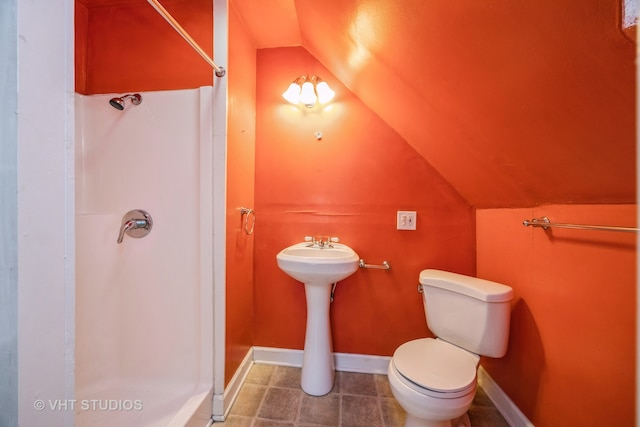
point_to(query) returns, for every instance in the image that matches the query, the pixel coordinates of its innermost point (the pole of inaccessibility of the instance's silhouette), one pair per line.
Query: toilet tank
(466, 311)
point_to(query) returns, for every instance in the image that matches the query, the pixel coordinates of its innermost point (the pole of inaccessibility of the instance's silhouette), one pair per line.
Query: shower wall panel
(138, 304)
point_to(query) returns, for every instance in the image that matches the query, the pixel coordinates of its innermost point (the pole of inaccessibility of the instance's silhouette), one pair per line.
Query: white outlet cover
(406, 220)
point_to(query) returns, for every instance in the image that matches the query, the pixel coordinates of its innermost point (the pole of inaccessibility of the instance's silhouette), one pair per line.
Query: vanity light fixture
(308, 90)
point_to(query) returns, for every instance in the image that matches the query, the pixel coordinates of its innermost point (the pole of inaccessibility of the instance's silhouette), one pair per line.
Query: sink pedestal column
(318, 368)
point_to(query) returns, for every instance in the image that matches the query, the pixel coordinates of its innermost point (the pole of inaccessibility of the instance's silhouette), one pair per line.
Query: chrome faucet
(136, 223)
(321, 241)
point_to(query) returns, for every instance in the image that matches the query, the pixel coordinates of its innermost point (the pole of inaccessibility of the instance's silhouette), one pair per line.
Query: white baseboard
(344, 362)
(365, 363)
(511, 413)
(221, 408)
(277, 356)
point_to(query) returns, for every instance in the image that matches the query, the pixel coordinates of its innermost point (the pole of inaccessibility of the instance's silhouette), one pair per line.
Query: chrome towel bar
(385, 265)
(545, 223)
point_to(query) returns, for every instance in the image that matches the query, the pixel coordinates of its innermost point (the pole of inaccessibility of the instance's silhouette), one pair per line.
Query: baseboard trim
(511, 413)
(364, 363)
(344, 362)
(277, 356)
(232, 389)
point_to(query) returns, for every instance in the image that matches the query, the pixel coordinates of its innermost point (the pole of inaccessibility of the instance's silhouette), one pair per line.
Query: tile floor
(271, 397)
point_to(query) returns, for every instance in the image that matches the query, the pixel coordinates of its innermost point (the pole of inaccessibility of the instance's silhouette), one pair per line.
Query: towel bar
(385, 265)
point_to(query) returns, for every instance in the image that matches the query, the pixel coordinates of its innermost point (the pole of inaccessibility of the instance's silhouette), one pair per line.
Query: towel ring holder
(247, 212)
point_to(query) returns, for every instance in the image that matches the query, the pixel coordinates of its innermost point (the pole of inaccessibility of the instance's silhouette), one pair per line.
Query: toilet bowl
(434, 379)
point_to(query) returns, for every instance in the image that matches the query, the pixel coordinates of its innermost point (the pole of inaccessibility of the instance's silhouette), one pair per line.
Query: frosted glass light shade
(308, 90)
(325, 94)
(308, 95)
(293, 93)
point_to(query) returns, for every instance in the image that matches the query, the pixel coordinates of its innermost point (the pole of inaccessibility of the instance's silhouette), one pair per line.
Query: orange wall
(241, 75)
(132, 48)
(81, 29)
(571, 358)
(348, 184)
(518, 90)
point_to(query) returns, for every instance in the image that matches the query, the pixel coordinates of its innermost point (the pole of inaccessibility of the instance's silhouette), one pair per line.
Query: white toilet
(434, 379)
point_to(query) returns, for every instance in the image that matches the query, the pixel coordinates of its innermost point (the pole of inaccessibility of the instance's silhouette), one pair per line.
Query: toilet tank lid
(481, 289)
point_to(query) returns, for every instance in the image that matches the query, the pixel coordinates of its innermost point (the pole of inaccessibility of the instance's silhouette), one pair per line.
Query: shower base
(127, 404)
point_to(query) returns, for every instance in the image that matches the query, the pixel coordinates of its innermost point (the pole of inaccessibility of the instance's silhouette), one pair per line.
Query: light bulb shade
(308, 95)
(325, 94)
(293, 93)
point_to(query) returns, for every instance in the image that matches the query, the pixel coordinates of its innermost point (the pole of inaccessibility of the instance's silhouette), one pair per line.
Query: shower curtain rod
(545, 223)
(220, 71)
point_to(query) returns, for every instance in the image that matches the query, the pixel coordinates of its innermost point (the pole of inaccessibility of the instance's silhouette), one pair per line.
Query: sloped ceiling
(515, 103)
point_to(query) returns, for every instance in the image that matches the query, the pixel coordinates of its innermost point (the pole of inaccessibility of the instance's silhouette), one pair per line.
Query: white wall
(45, 125)
(8, 216)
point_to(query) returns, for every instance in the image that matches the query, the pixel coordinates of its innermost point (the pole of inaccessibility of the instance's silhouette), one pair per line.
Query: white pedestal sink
(318, 267)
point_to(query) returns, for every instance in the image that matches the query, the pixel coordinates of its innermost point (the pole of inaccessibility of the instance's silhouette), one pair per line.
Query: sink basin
(318, 268)
(316, 265)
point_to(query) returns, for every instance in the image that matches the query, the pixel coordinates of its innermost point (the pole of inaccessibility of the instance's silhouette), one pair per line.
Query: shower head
(118, 103)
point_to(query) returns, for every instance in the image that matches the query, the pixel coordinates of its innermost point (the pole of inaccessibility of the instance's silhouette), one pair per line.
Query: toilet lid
(436, 365)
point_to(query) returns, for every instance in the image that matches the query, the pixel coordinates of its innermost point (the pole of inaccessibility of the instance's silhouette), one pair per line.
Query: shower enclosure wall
(144, 308)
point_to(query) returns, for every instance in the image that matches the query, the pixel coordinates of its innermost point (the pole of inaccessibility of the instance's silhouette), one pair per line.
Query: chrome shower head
(118, 103)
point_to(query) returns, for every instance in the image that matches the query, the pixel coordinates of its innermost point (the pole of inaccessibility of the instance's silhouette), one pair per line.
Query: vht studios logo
(88, 405)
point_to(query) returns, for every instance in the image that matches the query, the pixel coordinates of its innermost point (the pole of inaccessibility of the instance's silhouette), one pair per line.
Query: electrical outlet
(406, 220)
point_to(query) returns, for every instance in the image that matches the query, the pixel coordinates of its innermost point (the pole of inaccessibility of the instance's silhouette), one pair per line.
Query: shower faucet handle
(136, 223)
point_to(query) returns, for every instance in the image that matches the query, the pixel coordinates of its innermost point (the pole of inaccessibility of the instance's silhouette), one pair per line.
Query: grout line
(296, 421)
(262, 401)
(340, 410)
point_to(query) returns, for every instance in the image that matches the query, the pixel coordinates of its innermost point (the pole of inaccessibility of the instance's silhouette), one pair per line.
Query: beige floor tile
(260, 374)
(392, 413)
(285, 376)
(281, 404)
(322, 411)
(356, 383)
(271, 423)
(272, 397)
(249, 400)
(236, 421)
(486, 416)
(360, 411)
(382, 385)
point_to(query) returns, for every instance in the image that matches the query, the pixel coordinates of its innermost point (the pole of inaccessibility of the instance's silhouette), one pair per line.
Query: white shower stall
(145, 307)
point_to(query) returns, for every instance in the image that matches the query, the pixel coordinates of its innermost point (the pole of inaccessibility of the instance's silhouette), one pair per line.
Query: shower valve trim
(136, 223)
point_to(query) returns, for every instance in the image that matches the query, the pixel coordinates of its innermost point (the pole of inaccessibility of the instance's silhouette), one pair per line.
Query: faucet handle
(136, 223)
(321, 241)
(334, 239)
